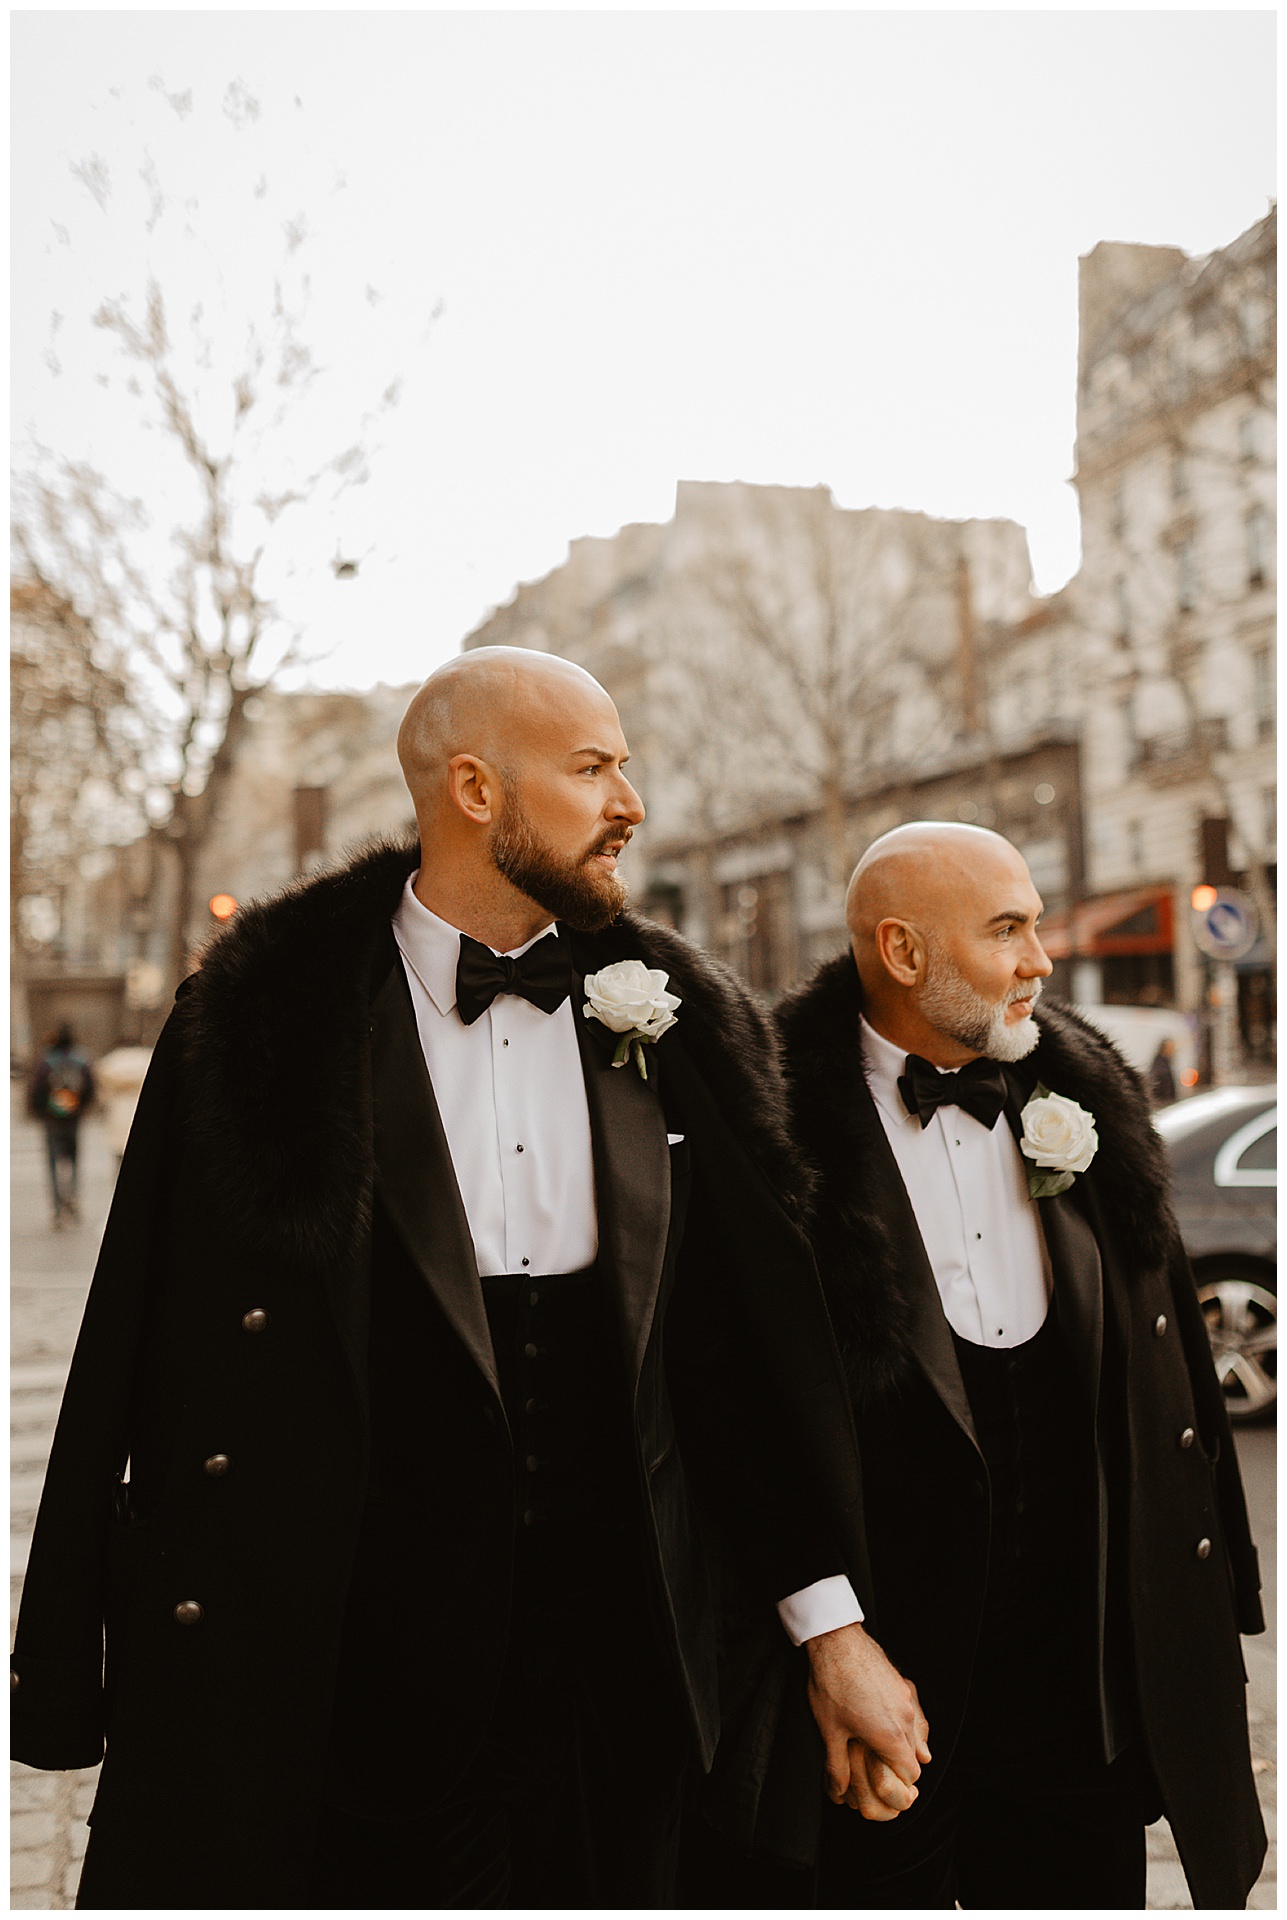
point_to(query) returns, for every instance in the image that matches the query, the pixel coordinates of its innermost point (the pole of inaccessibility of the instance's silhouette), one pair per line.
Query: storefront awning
(1142, 921)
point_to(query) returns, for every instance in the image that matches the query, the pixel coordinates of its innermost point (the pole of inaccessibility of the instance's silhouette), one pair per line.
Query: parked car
(1223, 1147)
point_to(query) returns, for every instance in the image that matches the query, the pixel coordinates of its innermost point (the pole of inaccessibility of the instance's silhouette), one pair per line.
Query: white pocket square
(673, 1139)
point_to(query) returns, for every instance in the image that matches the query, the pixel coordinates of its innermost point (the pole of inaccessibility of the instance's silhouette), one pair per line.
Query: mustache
(615, 836)
(1027, 990)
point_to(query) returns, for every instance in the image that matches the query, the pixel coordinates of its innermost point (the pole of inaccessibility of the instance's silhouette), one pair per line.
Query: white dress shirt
(511, 1093)
(969, 1190)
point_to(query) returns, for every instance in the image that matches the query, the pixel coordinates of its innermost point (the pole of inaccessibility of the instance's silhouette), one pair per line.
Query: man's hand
(858, 1697)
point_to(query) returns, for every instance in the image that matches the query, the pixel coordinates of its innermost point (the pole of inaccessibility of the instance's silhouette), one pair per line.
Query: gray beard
(582, 896)
(952, 1007)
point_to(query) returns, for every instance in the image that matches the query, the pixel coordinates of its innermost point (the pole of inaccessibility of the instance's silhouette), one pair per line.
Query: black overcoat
(1170, 1609)
(286, 1166)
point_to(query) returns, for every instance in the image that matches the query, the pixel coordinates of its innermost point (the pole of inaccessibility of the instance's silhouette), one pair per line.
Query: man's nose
(627, 805)
(1037, 961)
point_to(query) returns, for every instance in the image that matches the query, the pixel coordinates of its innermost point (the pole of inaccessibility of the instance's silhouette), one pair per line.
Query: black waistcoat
(1034, 1673)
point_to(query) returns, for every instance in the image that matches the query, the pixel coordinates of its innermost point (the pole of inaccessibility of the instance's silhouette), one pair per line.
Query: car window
(1249, 1157)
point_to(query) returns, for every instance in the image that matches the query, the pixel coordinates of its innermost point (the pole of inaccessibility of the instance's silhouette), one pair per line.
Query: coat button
(1159, 1325)
(529, 1517)
(216, 1466)
(255, 1321)
(1203, 1550)
(188, 1612)
(13, 1681)
(531, 1351)
(1187, 1438)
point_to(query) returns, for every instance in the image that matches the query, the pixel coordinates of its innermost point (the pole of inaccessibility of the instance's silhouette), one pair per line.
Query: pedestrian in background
(119, 1078)
(60, 1093)
(1161, 1074)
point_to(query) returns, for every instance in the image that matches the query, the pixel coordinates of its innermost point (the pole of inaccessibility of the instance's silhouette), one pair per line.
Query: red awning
(1142, 921)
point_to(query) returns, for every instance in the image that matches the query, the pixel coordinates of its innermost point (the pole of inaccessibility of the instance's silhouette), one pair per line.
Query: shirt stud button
(526, 1261)
(519, 1147)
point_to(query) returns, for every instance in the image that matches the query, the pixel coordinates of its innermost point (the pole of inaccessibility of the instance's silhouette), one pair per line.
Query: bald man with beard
(1057, 1534)
(452, 1313)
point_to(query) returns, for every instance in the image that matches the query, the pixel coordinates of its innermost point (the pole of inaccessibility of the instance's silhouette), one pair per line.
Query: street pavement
(50, 1277)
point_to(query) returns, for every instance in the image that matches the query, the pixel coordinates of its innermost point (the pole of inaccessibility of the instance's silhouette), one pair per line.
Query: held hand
(875, 1790)
(856, 1694)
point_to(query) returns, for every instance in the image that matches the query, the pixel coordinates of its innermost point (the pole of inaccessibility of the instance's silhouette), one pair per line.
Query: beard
(583, 896)
(954, 1008)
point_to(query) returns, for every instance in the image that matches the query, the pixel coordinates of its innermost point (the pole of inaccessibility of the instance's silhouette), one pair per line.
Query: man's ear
(474, 787)
(902, 952)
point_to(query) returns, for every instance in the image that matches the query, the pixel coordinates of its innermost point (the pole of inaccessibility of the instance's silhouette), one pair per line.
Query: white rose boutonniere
(631, 1000)
(1059, 1138)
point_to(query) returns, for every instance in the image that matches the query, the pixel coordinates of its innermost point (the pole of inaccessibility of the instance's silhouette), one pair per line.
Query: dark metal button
(529, 1516)
(13, 1681)
(532, 1463)
(1203, 1549)
(1187, 1438)
(216, 1466)
(534, 1298)
(531, 1350)
(526, 1261)
(255, 1321)
(519, 1148)
(1159, 1325)
(530, 1406)
(188, 1612)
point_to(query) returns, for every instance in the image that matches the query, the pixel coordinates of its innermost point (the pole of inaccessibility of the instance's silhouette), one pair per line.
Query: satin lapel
(1074, 1259)
(631, 1180)
(413, 1170)
(931, 1335)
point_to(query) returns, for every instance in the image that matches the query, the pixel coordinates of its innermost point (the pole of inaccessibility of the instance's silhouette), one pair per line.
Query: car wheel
(1239, 1300)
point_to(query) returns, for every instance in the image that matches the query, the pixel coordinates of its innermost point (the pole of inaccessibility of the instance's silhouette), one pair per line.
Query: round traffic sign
(1227, 928)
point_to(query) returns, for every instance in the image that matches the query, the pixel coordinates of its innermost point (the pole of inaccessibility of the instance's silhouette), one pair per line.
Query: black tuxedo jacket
(287, 1177)
(1166, 1612)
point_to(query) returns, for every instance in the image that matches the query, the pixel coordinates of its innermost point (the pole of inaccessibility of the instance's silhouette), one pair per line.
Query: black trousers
(573, 1800)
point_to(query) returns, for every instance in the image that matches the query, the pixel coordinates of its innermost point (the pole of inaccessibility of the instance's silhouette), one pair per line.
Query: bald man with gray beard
(1058, 1538)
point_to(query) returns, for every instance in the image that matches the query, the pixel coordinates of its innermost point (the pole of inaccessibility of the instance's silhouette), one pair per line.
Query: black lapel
(1074, 1254)
(413, 1170)
(930, 1333)
(631, 1173)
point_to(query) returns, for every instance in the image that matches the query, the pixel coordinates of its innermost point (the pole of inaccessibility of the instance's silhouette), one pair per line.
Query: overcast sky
(790, 248)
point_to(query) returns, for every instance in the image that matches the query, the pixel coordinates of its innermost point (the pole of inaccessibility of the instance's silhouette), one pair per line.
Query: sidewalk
(50, 1277)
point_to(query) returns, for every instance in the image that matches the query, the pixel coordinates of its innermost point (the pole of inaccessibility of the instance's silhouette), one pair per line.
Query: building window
(1271, 819)
(1262, 690)
(1247, 436)
(1257, 524)
(1135, 845)
(1186, 576)
(1117, 514)
(1179, 477)
(1122, 594)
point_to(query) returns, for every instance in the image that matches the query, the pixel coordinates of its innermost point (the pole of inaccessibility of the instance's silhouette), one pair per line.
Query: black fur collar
(840, 1134)
(274, 1030)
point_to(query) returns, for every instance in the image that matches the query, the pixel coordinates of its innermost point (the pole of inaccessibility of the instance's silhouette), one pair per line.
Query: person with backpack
(62, 1090)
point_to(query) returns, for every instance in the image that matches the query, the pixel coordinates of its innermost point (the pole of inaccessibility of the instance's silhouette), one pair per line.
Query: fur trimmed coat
(279, 1176)
(1178, 1575)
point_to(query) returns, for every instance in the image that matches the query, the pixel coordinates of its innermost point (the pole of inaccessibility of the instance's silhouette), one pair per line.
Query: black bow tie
(980, 1088)
(542, 975)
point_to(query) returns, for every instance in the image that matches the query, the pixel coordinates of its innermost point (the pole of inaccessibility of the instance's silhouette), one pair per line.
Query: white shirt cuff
(821, 1608)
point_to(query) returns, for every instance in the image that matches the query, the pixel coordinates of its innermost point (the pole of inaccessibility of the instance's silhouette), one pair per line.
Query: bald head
(490, 703)
(925, 872)
(943, 920)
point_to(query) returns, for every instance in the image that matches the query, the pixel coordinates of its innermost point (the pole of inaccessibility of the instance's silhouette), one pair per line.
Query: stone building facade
(792, 677)
(1176, 602)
